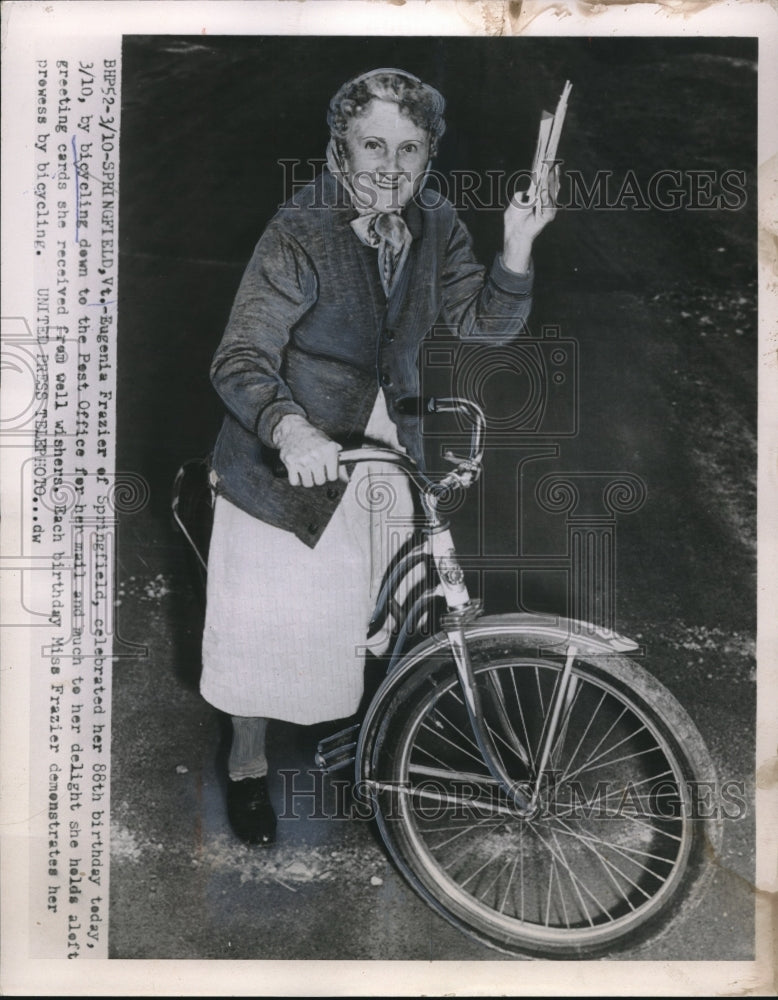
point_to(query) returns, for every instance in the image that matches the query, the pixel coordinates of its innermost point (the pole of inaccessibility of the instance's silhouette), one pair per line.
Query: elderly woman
(321, 343)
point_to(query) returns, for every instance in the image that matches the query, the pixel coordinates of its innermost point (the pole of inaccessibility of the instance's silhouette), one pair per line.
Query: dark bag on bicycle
(192, 506)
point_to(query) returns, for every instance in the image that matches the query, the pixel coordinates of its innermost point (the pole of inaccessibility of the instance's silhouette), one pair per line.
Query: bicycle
(532, 782)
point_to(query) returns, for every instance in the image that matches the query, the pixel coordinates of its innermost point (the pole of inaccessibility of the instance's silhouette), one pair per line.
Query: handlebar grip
(415, 406)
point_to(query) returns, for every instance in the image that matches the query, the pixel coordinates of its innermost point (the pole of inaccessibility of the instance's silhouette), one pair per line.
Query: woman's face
(386, 155)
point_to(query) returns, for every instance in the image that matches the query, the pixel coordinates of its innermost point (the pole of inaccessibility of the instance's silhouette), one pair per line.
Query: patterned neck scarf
(386, 231)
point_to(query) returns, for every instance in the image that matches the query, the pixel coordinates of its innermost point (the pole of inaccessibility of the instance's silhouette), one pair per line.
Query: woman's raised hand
(526, 215)
(310, 457)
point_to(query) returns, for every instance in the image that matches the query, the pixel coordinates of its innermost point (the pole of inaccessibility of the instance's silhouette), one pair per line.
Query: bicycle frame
(436, 550)
(513, 688)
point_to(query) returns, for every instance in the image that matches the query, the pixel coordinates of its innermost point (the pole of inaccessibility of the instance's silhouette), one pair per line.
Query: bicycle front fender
(538, 631)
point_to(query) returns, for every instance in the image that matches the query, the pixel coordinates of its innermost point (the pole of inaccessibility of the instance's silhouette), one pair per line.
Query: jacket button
(386, 379)
(313, 528)
(332, 493)
(389, 336)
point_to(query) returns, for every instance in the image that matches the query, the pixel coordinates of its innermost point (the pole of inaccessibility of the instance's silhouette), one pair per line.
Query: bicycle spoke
(620, 793)
(600, 742)
(465, 735)
(493, 732)
(640, 822)
(608, 865)
(649, 826)
(586, 731)
(556, 750)
(561, 891)
(576, 881)
(471, 847)
(477, 872)
(637, 784)
(540, 694)
(464, 830)
(527, 741)
(451, 743)
(588, 765)
(429, 830)
(547, 716)
(496, 736)
(508, 736)
(450, 775)
(431, 755)
(548, 894)
(482, 895)
(626, 852)
(517, 860)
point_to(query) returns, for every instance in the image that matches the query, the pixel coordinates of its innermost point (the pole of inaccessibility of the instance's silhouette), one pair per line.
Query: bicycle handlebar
(418, 406)
(467, 469)
(422, 405)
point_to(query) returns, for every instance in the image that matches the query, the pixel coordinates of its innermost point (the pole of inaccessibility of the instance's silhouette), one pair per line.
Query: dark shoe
(250, 811)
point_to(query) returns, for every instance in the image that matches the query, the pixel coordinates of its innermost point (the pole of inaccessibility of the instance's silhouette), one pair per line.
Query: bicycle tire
(561, 884)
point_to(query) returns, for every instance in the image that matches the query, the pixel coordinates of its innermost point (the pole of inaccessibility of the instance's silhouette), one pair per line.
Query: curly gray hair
(422, 103)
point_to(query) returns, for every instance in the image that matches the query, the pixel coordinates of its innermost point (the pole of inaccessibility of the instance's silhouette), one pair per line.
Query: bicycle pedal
(338, 750)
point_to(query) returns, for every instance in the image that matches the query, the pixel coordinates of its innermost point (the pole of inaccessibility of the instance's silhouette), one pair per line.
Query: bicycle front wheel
(616, 842)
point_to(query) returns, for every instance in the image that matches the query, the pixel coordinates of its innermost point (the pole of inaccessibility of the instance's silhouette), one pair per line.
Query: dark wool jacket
(311, 332)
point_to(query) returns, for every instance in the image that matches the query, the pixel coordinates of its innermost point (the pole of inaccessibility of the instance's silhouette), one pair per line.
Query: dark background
(662, 305)
(206, 121)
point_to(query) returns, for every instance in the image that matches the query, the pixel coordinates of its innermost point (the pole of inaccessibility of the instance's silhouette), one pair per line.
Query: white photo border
(23, 24)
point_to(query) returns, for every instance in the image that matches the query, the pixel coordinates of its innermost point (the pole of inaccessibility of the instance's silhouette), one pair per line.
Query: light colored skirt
(285, 628)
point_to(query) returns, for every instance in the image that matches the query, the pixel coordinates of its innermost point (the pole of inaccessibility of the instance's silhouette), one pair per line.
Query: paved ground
(663, 306)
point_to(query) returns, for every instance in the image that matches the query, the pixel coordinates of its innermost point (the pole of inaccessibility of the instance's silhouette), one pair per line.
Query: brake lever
(466, 473)
(466, 464)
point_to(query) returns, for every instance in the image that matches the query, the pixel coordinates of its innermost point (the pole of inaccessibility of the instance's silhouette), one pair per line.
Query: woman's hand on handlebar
(310, 457)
